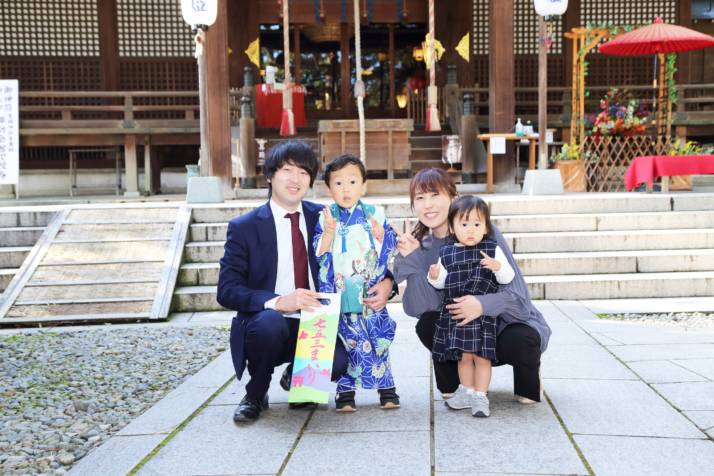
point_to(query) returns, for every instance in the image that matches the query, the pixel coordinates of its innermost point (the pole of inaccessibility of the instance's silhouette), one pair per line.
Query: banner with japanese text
(315, 350)
(9, 132)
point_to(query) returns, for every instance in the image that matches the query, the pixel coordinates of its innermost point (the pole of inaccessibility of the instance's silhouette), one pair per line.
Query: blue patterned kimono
(355, 262)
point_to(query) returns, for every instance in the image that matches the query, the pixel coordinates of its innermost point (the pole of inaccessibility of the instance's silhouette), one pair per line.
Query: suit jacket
(248, 273)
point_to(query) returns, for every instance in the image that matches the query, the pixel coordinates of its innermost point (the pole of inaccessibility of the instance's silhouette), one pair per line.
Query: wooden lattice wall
(50, 44)
(613, 70)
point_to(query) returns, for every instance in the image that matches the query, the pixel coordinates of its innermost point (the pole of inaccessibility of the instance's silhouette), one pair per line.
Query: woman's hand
(465, 309)
(490, 263)
(406, 243)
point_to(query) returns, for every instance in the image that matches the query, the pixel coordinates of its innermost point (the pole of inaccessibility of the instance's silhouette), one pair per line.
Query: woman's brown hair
(431, 180)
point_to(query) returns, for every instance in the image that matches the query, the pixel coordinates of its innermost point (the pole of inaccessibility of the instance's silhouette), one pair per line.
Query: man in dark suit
(269, 272)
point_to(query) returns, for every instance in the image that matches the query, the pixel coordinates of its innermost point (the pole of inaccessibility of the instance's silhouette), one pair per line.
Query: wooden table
(532, 139)
(387, 142)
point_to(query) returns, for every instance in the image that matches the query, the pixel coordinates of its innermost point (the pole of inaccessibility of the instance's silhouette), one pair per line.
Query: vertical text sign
(9, 132)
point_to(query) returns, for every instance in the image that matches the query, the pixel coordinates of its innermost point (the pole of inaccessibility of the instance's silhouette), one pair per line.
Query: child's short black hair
(462, 206)
(340, 163)
(295, 152)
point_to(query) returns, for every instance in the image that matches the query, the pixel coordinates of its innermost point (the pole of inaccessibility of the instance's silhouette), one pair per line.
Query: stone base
(543, 182)
(204, 190)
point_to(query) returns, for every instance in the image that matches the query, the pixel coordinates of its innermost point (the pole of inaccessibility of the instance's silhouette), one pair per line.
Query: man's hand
(406, 243)
(381, 292)
(490, 263)
(434, 271)
(465, 309)
(298, 300)
(377, 229)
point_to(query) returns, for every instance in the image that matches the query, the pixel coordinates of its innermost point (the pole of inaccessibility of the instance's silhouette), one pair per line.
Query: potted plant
(572, 168)
(683, 147)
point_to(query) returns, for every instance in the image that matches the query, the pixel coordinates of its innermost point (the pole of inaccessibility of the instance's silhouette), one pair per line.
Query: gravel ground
(671, 319)
(64, 393)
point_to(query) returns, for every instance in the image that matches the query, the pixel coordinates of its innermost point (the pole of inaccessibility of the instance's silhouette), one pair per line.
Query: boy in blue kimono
(353, 244)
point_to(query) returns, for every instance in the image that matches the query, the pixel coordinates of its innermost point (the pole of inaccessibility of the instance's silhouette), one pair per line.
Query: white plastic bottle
(520, 132)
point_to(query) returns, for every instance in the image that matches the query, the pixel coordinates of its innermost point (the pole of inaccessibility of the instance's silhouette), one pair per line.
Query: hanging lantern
(418, 53)
(548, 8)
(199, 12)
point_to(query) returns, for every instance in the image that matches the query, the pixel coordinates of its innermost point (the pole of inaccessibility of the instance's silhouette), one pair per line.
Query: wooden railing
(48, 111)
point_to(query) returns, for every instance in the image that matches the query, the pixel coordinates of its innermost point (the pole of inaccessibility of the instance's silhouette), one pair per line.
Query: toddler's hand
(490, 263)
(329, 221)
(434, 271)
(377, 229)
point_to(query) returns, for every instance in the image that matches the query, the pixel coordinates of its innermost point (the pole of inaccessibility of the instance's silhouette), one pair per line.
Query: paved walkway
(622, 399)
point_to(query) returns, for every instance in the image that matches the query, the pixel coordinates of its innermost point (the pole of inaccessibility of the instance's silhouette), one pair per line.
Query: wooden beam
(382, 12)
(345, 70)
(108, 44)
(501, 98)
(218, 110)
(571, 19)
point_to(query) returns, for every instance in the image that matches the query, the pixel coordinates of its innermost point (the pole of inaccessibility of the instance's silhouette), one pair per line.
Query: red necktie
(299, 252)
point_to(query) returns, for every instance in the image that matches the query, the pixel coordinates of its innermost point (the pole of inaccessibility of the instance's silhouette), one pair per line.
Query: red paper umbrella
(657, 38)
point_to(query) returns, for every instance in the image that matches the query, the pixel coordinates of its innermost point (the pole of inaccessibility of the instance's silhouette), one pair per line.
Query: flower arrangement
(621, 114)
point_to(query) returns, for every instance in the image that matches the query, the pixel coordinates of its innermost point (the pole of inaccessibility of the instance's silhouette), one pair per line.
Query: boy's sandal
(388, 399)
(345, 402)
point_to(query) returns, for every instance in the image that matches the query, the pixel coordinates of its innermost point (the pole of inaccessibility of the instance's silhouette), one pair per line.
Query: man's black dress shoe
(249, 409)
(300, 405)
(286, 378)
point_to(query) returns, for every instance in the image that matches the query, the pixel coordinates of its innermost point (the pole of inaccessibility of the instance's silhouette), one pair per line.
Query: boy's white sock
(476, 392)
(470, 391)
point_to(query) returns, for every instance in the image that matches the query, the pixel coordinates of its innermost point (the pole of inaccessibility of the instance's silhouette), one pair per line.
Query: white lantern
(199, 12)
(548, 8)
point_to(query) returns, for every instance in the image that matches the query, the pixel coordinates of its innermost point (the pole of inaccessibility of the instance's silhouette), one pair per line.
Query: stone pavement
(621, 399)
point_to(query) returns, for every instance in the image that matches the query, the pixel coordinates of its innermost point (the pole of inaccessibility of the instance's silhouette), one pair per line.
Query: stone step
(13, 256)
(538, 223)
(610, 262)
(571, 203)
(198, 274)
(201, 232)
(24, 218)
(6, 276)
(576, 241)
(556, 242)
(21, 235)
(604, 221)
(622, 286)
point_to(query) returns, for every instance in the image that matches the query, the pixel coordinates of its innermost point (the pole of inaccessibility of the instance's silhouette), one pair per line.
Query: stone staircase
(19, 231)
(426, 150)
(576, 246)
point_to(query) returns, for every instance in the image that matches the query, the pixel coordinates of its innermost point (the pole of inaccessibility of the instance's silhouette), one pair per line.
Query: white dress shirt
(285, 278)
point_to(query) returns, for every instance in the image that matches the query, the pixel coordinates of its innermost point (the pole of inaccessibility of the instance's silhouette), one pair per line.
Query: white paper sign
(9, 132)
(497, 145)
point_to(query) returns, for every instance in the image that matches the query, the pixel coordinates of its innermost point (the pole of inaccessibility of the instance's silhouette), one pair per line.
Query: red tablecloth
(646, 169)
(269, 106)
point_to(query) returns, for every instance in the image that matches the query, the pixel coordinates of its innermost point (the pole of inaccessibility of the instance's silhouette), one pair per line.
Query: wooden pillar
(130, 166)
(501, 97)
(108, 44)
(218, 113)
(245, 14)
(392, 86)
(345, 70)
(571, 19)
(298, 57)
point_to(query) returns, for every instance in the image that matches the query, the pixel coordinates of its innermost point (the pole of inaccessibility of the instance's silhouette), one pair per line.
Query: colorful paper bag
(314, 352)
